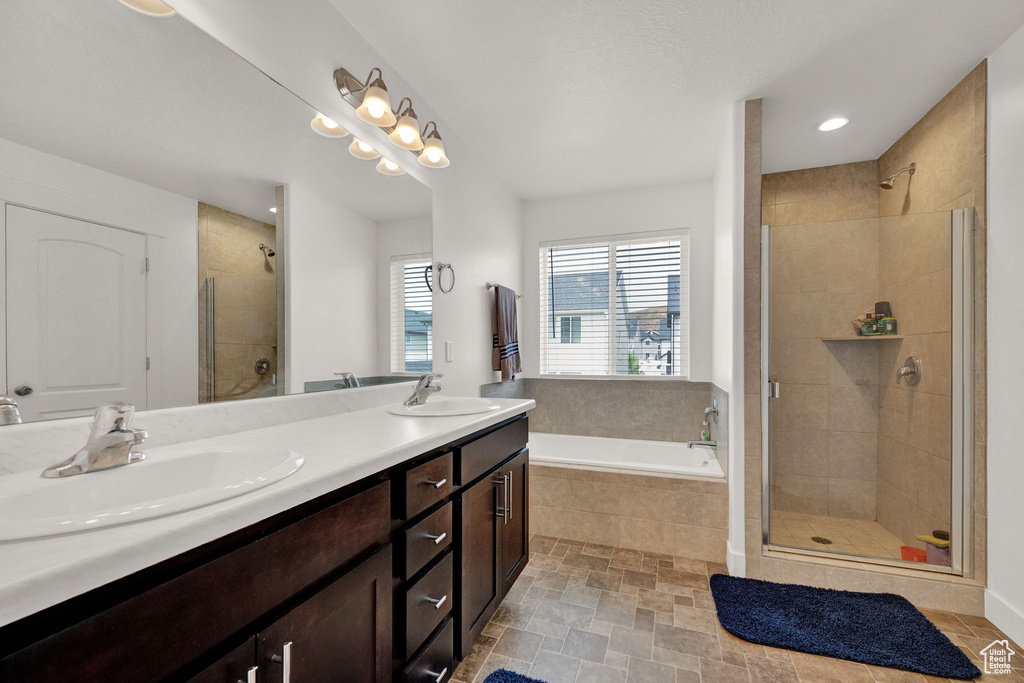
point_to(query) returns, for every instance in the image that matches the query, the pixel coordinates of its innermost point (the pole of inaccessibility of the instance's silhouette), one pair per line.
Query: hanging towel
(505, 355)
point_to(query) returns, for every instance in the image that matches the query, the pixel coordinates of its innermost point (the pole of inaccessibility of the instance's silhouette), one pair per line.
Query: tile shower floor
(853, 536)
(594, 614)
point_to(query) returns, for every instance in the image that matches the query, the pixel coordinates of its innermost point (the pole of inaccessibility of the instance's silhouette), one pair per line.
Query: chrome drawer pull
(437, 539)
(440, 676)
(437, 484)
(509, 506)
(438, 603)
(285, 658)
(250, 676)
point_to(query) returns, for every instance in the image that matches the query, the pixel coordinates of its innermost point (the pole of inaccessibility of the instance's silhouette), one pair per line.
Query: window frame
(396, 310)
(682, 235)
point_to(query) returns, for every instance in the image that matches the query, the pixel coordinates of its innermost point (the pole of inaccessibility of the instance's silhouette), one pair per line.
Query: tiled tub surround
(641, 511)
(647, 513)
(352, 437)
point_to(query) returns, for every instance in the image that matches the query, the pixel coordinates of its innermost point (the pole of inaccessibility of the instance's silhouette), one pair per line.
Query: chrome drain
(822, 540)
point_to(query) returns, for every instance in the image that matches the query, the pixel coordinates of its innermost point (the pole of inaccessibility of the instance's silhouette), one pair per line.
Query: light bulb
(327, 127)
(376, 107)
(388, 167)
(361, 150)
(434, 154)
(407, 135)
(407, 132)
(833, 124)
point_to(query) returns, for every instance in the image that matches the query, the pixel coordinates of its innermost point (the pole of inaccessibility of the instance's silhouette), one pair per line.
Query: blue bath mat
(872, 628)
(506, 676)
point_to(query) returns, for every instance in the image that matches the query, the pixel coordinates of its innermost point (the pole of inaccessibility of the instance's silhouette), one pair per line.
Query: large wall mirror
(174, 231)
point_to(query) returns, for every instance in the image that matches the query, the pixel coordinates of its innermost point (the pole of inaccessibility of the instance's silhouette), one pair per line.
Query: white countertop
(338, 450)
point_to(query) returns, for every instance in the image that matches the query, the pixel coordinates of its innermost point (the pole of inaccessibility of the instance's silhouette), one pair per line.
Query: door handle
(23, 390)
(250, 676)
(773, 389)
(285, 659)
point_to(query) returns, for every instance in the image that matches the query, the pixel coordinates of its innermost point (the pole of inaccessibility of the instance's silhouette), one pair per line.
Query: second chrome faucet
(111, 443)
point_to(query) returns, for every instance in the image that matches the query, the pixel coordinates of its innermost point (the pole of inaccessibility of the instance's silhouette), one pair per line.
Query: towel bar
(492, 285)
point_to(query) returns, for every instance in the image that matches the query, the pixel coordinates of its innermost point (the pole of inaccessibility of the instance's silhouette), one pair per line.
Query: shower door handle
(773, 389)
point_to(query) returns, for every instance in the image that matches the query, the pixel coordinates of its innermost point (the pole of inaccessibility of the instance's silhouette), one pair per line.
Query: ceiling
(160, 102)
(582, 96)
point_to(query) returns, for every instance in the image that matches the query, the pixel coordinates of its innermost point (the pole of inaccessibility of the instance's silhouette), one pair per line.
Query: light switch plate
(449, 352)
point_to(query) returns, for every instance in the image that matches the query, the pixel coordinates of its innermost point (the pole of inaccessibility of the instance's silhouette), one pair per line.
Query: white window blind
(412, 337)
(616, 306)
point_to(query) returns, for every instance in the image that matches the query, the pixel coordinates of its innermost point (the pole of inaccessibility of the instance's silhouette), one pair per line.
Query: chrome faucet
(111, 444)
(350, 380)
(424, 388)
(9, 414)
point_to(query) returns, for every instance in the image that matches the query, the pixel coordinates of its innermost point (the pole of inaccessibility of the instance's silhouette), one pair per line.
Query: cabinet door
(341, 634)
(515, 527)
(237, 665)
(480, 516)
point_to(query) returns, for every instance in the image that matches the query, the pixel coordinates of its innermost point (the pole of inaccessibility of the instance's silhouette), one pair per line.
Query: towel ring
(442, 268)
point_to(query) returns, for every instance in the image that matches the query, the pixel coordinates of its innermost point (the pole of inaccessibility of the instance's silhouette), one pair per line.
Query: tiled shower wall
(245, 310)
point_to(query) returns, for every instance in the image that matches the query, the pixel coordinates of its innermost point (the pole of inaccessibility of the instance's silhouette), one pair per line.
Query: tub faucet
(424, 388)
(111, 444)
(712, 444)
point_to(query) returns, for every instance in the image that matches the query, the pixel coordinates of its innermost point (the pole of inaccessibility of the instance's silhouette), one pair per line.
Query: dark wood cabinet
(515, 527)
(237, 665)
(480, 509)
(340, 634)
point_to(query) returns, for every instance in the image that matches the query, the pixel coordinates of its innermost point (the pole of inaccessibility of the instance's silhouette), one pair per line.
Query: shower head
(888, 182)
(267, 250)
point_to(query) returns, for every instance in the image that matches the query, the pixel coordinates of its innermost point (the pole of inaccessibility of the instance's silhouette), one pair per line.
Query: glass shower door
(864, 442)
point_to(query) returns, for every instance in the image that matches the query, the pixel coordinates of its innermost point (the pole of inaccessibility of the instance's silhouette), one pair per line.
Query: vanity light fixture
(151, 8)
(327, 127)
(833, 124)
(361, 150)
(388, 167)
(433, 155)
(401, 124)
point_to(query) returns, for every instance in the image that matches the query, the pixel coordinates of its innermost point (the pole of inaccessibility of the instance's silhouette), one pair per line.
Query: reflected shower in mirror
(176, 230)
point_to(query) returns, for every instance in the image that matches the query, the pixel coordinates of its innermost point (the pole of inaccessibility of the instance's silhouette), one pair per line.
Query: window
(570, 329)
(616, 306)
(412, 335)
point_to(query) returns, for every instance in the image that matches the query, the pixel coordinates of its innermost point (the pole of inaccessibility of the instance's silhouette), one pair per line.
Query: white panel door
(76, 314)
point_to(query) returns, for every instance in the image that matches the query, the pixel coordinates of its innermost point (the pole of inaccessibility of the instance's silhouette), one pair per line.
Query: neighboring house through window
(412, 316)
(616, 306)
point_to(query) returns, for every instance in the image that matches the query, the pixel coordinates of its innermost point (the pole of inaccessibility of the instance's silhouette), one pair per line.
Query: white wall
(476, 220)
(170, 222)
(394, 238)
(727, 317)
(1004, 600)
(331, 295)
(668, 207)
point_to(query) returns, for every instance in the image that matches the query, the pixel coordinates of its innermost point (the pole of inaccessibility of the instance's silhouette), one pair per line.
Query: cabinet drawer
(427, 602)
(426, 540)
(436, 663)
(427, 484)
(480, 456)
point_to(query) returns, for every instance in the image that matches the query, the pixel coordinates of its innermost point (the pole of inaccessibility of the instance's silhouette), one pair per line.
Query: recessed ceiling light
(833, 124)
(273, 209)
(152, 8)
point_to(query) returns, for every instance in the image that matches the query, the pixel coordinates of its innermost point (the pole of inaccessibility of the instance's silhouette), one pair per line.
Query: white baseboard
(1007, 618)
(736, 561)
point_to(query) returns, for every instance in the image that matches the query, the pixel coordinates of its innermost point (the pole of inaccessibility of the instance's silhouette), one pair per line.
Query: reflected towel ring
(441, 269)
(427, 272)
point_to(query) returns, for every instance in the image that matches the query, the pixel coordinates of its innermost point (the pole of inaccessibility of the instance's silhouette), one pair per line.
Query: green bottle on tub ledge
(876, 322)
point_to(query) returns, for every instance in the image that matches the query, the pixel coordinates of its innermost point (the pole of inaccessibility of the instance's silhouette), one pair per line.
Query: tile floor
(853, 536)
(595, 614)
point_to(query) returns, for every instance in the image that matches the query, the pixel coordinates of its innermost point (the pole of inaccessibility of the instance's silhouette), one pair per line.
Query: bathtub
(628, 456)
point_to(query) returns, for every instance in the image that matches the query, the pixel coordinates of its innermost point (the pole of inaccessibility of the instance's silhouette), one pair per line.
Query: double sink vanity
(371, 545)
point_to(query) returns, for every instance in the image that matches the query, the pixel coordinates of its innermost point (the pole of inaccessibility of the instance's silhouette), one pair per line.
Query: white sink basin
(167, 483)
(444, 407)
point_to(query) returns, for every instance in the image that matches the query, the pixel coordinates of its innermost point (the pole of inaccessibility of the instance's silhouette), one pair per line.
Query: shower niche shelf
(874, 337)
